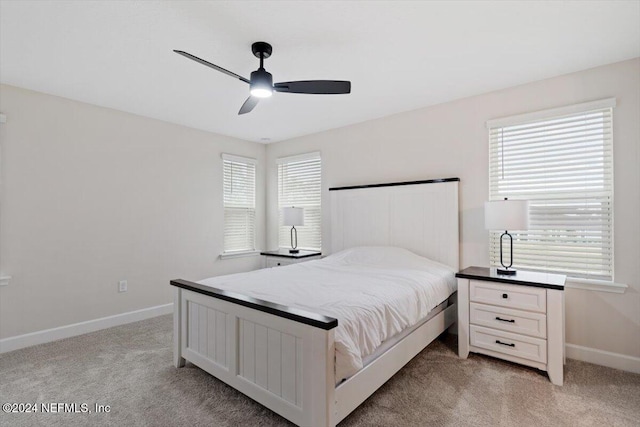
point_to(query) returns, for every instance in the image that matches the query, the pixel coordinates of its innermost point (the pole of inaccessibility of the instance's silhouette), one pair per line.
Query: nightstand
(518, 318)
(282, 257)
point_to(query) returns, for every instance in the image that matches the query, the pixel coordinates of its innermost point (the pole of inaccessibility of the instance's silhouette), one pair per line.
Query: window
(299, 184)
(561, 161)
(239, 203)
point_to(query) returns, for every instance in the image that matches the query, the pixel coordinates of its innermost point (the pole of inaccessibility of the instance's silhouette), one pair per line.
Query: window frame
(316, 214)
(551, 114)
(248, 161)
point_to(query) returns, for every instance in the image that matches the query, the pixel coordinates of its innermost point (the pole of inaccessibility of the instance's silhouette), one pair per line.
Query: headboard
(421, 216)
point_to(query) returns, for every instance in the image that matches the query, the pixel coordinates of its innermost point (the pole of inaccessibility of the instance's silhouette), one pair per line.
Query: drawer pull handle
(504, 343)
(505, 320)
(505, 296)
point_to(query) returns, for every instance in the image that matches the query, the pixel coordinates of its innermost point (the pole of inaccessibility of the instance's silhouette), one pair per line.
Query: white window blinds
(299, 185)
(562, 163)
(239, 203)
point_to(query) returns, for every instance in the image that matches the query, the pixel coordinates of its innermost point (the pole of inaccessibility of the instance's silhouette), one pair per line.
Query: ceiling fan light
(261, 92)
(261, 83)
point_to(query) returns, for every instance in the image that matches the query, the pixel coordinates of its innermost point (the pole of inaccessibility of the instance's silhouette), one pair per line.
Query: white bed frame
(284, 358)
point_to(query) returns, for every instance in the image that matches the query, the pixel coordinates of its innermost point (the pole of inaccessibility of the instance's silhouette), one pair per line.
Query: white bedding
(374, 292)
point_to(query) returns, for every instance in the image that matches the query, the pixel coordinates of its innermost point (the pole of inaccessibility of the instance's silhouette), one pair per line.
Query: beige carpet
(130, 369)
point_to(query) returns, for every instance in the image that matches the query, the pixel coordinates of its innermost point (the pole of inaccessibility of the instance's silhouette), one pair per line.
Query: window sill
(229, 255)
(4, 280)
(595, 285)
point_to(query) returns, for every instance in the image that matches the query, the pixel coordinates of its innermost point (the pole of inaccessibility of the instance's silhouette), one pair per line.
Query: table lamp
(291, 217)
(506, 215)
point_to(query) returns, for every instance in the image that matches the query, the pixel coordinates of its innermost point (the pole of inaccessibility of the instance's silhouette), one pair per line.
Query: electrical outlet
(122, 286)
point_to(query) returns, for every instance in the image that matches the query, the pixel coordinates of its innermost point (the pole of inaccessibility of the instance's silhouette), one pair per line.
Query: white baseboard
(604, 358)
(54, 334)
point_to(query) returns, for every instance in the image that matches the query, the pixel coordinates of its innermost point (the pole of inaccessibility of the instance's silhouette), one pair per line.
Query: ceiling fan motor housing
(261, 79)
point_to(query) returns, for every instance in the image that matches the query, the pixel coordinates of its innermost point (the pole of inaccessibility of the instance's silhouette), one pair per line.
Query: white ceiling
(399, 55)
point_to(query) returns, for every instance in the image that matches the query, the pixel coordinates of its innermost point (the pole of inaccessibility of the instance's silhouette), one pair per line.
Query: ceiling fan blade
(320, 87)
(210, 65)
(249, 105)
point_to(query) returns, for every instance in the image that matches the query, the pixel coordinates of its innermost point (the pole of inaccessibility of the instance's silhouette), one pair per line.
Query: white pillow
(384, 257)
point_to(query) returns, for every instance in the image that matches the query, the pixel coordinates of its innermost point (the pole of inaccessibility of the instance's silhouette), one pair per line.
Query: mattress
(374, 292)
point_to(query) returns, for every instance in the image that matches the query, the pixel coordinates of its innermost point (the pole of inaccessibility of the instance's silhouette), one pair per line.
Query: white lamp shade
(292, 216)
(506, 215)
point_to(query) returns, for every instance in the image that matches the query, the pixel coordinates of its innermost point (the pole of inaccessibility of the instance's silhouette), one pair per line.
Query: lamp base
(507, 272)
(293, 249)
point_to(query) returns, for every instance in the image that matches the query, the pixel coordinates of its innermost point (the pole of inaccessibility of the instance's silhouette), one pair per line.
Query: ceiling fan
(261, 82)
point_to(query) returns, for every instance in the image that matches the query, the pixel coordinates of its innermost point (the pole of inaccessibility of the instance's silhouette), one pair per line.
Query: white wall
(92, 195)
(450, 140)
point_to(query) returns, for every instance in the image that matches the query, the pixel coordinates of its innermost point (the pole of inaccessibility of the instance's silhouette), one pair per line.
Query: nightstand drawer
(282, 257)
(519, 297)
(506, 319)
(504, 342)
(278, 262)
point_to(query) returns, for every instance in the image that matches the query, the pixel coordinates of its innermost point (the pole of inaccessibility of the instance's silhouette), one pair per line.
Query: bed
(293, 339)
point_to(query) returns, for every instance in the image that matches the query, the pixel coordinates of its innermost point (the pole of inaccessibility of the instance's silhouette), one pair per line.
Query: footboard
(280, 357)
